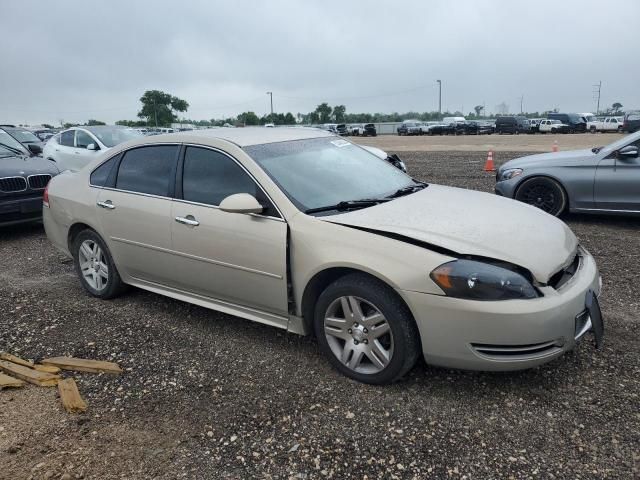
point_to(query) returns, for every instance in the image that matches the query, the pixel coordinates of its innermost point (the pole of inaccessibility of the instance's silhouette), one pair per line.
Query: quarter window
(66, 138)
(101, 174)
(148, 170)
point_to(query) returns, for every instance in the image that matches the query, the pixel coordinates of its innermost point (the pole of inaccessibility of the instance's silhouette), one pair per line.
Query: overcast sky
(75, 60)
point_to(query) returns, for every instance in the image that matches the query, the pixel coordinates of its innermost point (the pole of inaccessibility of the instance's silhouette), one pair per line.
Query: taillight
(45, 196)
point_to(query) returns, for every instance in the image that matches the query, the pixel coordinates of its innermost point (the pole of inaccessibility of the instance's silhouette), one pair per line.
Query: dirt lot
(207, 395)
(483, 143)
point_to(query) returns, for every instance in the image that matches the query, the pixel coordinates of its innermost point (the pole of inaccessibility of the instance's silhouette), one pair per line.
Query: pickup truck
(553, 126)
(608, 124)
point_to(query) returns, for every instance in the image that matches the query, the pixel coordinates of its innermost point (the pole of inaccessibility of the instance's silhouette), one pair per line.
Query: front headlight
(509, 173)
(474, 280)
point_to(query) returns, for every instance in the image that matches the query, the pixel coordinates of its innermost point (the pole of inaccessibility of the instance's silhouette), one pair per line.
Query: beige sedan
(305, 231)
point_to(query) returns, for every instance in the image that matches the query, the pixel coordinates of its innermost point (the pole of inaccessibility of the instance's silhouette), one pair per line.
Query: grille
(13, 184)
(517, 352)
(38, 182)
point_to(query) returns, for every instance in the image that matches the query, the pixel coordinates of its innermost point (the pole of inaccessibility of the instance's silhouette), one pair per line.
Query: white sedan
(74, 148)
(302, 230)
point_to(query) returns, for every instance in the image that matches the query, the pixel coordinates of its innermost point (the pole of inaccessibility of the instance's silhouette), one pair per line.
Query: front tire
(95, 267)
(365, 330)
(544, 193)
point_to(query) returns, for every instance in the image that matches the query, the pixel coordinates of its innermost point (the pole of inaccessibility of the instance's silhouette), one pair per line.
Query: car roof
(245, 136)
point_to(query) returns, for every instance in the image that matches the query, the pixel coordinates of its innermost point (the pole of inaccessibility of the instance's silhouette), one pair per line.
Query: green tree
(616, 107)
(46, 125)
(324, 113)
(338, 113)
(478, 109)
(248, 118)
(289, 119)
(159, 107)
(91, 122)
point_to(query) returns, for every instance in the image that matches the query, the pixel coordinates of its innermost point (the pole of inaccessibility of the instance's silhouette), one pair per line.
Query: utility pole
(521, 100)
(596, 93)
(271, 97)
(439, 98)
(155, 113)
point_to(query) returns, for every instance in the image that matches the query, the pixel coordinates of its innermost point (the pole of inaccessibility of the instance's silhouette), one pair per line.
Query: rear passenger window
(148, 170)
(66, 138)
(101, 174)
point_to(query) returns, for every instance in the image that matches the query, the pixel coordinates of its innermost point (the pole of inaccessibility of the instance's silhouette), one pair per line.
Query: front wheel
(95, 267)
(543, 193)
(365, 330)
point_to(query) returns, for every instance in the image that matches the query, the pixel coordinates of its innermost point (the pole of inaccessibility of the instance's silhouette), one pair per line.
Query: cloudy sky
(74, 60)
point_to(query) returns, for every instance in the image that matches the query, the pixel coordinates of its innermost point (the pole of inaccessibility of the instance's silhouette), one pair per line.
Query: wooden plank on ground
(83, 365)
(70, 396)
(9, 382)
(27, 374)
(46, 368)
(12, 358)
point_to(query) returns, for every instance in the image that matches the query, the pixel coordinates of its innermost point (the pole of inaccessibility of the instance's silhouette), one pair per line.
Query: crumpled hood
(474, 223)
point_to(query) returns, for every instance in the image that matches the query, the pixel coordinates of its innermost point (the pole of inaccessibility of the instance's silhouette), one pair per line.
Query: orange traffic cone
(555, 146)
(489, 166)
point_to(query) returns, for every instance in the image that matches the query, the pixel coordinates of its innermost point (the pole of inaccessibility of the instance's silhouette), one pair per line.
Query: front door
(617, 182)
(237, 258)
(135, 216)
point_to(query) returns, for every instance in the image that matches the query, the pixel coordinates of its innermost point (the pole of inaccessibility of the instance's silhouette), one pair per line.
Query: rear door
(135, 212)
(617, 182)
(236, 258)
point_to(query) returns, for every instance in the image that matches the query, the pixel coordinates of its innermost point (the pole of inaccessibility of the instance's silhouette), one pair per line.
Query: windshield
(7, 143)
(112, 136)
(325, 171)
(24, 136)
(575, 118)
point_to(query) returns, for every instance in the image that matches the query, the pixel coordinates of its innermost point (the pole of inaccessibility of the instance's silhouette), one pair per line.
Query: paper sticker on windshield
(340, 143)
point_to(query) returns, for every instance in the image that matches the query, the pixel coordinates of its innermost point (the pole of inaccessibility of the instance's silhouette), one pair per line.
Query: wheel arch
(74, 231)
(322, 279)
(547, 176)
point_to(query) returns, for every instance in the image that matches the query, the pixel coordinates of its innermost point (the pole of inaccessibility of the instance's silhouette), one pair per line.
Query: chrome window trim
(16, 191)
(605, 210)
(180, 200)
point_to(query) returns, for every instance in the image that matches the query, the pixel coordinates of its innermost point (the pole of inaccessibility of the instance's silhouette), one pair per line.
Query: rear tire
(95, 267)
(365, 330)
(544, 193)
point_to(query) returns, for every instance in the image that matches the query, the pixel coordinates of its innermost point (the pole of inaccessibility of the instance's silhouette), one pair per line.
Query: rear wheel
(365, 330)
(543, 193)
(95, 267)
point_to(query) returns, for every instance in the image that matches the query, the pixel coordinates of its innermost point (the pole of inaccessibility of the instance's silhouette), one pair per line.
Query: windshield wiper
(408, 189)
(17, 150)
(349, 205)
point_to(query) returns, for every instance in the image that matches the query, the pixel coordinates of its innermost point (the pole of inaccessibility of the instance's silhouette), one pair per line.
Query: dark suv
(369, 129)
(631, 122)
(576, 123)
(512, 124)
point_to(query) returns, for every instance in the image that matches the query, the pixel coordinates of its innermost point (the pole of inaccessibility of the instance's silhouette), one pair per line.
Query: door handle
(106, 204)
(188, 220)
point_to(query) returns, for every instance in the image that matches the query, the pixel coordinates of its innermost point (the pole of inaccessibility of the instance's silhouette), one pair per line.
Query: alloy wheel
(358, 334)
(93, 265)
(540, 195)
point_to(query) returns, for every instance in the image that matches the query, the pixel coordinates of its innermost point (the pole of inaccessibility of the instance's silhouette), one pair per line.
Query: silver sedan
(600, 180)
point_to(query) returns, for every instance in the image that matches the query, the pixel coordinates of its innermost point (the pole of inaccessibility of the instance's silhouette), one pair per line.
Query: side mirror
(241, 203)
(34, 148)
(630, 151)
(93, 146)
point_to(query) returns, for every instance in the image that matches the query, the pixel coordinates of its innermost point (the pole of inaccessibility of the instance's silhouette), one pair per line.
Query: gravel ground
(207, 395)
